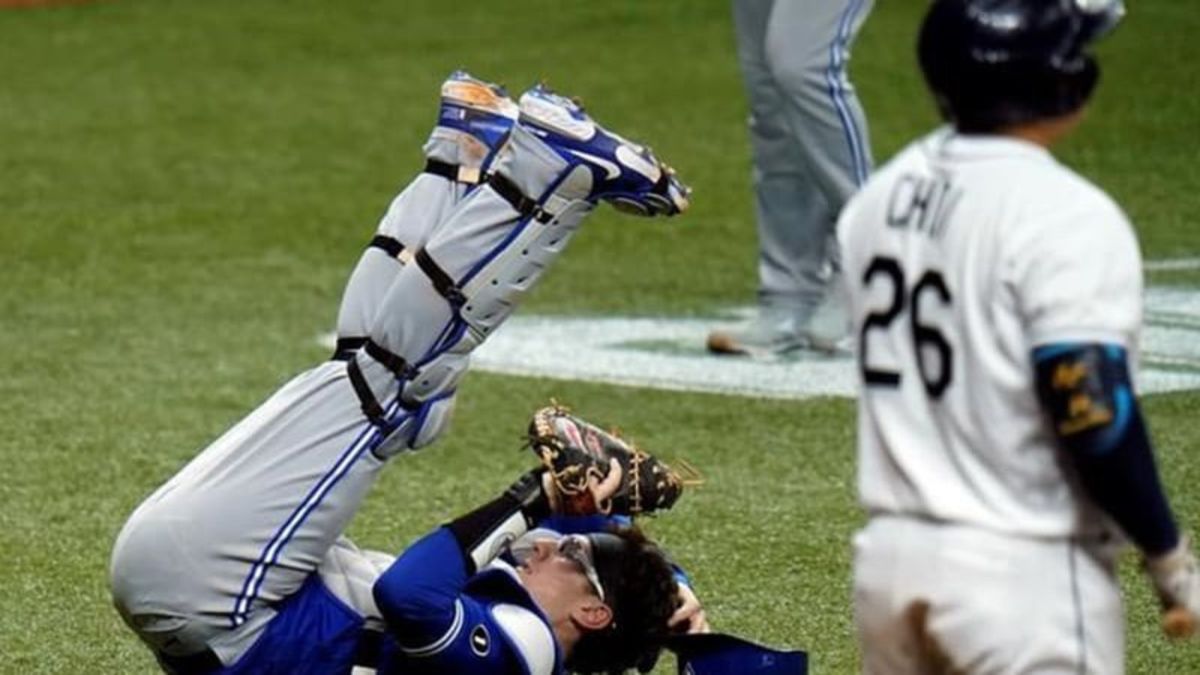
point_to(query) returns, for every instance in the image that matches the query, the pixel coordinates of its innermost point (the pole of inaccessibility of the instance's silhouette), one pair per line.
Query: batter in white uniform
(997, 301)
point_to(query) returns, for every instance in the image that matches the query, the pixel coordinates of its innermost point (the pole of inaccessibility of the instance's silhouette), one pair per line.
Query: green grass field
(185, 185)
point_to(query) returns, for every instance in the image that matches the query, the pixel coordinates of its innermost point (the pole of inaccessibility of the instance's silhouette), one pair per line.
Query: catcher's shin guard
(474, 120)
(465, 282)
(422, 206)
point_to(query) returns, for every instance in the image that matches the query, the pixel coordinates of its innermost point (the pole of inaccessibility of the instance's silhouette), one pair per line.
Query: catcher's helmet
(997, 63)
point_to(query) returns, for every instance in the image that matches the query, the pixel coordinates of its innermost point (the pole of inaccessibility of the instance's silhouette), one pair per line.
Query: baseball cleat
(828, 329)
(474, 122)
(770, 334)
(626, 174)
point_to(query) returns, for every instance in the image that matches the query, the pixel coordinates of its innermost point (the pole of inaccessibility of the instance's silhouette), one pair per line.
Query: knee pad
(417, 427)
(439, 374)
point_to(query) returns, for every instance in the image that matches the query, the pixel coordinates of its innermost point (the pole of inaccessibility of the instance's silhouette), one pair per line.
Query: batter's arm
(1086, 391)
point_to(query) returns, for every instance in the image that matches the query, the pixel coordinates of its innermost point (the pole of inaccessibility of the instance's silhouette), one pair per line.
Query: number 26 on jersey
(900, 324)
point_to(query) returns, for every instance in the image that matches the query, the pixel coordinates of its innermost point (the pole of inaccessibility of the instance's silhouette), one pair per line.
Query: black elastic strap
(345, 348)
(517, 199)
(441, 281)
(392, 362)
(443, 169)
(484, 526)
(193, 664)
(387, 244)
(455, 172)
(366, 397)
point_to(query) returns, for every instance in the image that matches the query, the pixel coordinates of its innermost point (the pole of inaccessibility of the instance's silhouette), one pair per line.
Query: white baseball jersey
(962, 255)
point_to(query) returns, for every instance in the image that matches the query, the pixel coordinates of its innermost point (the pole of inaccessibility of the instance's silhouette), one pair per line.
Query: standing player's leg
(202, 563)
(808, 53)
(808, 50)
(474, 121)
(790, 206)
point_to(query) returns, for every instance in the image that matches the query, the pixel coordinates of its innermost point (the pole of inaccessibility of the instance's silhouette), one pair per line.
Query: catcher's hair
(640, 587)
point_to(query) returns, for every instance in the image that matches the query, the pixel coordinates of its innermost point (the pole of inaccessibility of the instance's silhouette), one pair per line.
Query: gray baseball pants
(202, 561)
(808, 138)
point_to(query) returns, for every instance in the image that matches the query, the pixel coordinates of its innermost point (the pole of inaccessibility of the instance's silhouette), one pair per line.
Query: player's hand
(1176, 579)
(600, 491)
(597, 471)
(689, 618)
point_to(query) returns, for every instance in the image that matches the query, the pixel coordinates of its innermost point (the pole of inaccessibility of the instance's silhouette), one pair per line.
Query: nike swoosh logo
(611, 169)
(633, 160)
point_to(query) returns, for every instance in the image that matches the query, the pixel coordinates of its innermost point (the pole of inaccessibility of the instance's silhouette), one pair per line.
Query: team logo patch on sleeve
(1083, 404)
(1082, 385)
(481, 640)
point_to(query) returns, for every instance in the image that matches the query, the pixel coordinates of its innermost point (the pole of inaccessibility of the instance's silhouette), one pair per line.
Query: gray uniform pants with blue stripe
(204, 560)
(808, 134)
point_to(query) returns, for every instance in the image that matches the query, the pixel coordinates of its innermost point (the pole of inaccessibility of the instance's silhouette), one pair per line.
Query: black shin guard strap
(388, 245)
(345, 348)
(392, 362)
(455, 172)
(366, 397)
(517, 199)
(440, 280)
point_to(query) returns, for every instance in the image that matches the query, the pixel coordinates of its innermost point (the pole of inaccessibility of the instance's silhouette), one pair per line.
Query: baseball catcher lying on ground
(238, 564)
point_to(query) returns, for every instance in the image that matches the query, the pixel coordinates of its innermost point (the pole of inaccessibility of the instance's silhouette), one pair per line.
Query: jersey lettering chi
(954, 285)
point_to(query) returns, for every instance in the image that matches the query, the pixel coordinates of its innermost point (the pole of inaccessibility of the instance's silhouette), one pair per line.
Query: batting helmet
(992, 64)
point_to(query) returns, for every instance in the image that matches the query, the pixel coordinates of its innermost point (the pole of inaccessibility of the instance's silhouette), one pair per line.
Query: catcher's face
(559, 573)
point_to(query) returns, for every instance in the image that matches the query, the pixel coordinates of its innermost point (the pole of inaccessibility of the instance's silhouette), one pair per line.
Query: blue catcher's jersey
(438, 619)
(313, 633)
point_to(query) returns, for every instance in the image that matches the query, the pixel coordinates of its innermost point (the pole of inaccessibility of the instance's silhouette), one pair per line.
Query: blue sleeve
(419, 595)
(473, 643)
(438, 627)
(1085, 390)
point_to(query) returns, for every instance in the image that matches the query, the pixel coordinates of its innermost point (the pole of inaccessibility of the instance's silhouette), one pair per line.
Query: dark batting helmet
(993, 64)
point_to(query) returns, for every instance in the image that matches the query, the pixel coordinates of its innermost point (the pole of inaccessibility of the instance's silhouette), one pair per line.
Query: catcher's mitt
(579, 456)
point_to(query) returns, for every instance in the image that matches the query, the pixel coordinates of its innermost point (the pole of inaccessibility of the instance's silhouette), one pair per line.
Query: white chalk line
(1172, 264)
(666, 353)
